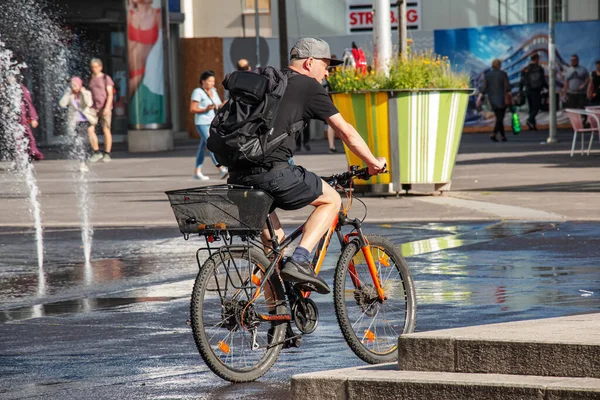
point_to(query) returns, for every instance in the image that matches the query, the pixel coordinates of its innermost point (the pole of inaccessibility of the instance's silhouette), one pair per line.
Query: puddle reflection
(500, 230)
(73, 307)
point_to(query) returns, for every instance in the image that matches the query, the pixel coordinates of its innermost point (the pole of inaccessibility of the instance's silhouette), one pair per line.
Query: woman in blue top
(205, 100)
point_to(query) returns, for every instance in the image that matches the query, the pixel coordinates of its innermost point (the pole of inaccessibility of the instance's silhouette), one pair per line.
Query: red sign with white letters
(360, 15)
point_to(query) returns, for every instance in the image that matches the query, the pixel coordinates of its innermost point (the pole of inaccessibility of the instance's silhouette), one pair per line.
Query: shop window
(264, 6)
(538, 10)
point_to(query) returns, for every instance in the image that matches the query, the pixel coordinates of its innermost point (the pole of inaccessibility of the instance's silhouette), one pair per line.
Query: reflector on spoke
(224, 347)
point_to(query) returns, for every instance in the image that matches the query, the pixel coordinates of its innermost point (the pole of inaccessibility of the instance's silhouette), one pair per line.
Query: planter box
(368, 113)
(418, 131)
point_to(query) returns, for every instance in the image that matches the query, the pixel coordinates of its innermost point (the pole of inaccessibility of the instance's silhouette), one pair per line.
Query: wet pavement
(116, 327)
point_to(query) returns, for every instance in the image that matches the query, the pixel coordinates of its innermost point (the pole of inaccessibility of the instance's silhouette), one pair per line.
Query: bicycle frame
(340, 221)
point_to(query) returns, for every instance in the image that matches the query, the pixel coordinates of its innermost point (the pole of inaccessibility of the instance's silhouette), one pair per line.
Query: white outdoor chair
(577, 124)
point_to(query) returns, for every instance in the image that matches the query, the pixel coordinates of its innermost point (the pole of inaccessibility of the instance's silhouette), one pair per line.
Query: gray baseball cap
(315, 48)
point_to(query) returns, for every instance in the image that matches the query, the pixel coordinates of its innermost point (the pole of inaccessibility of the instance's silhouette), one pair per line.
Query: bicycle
(241, 310)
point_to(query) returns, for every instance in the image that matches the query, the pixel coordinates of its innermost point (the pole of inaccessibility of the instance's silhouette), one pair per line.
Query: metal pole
(402, 39)
(166, 26)
(499, 14)
(283, 37)
(257, 28)
(382, 34)
(551, 74)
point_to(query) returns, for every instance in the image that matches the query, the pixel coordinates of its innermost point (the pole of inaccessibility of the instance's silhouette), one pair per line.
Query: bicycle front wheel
(227, 315)
(371, 327)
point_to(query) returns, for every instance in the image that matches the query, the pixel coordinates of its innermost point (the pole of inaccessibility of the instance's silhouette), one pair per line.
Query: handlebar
(345, 178)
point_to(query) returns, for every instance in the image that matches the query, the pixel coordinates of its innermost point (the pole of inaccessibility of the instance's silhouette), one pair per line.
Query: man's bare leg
(93, 137)
(297, 268)
(331, 137)
(107, 139)
(327, 207)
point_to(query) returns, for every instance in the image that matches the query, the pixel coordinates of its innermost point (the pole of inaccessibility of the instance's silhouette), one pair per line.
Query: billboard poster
(472, 50)
(359, 16)
(146, 53)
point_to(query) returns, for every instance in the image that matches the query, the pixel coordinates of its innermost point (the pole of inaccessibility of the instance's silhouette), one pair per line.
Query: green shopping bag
(516, 122)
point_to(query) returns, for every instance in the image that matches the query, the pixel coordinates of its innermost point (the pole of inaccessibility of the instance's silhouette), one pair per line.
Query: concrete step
(564, 347)
(386, 382)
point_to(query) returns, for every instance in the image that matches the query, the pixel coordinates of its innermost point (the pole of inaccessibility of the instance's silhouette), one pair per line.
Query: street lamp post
(552, 84)
(283, 37)
(257, 28)
(402, 39)
(382, 34)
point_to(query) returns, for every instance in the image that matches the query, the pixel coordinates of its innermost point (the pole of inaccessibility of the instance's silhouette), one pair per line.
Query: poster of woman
(146, 86)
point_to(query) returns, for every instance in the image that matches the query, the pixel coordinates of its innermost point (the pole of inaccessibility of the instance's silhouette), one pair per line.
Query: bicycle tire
(341, 301)
(198, 313)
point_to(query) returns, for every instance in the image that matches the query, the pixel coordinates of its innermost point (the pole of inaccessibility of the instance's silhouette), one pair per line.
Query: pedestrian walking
(80, 116)
(102, 89)
(593, 92)
(330, 132)
(29, 119)
(533, 80)
(497, 88)
(576, 84)
(303, 138)
(205, 100)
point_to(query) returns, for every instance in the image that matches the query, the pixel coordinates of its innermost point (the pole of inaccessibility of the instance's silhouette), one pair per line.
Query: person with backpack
(205, 100)
(254, 135)
(533, 79)
(102, 88)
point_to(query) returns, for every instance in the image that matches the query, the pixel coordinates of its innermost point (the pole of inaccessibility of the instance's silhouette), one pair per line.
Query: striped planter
(368, 113)
(425, 132)
(417, 131)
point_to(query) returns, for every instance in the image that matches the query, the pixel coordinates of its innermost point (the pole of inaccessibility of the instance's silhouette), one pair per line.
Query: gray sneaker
(97, 156)
(106, 158)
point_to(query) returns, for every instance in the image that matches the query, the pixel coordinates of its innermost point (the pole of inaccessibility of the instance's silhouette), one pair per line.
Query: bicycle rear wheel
(231, 337)
(371, 328)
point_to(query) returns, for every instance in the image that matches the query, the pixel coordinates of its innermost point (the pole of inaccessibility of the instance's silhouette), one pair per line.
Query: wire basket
(210, 210)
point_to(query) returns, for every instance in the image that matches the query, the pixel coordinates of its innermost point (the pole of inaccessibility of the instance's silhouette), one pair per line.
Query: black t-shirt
(304, 99)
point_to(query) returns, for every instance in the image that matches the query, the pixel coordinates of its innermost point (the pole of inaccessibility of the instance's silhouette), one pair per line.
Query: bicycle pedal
(295, 341)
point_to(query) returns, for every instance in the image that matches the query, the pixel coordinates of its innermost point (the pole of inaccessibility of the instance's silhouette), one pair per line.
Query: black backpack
(535, 78)
(242, 130)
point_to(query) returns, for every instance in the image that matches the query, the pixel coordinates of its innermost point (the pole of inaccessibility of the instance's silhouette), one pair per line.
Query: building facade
(236, 18)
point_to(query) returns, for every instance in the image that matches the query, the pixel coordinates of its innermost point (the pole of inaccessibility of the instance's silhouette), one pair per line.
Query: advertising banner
(147, 43)
(472, 50)
(360, 15)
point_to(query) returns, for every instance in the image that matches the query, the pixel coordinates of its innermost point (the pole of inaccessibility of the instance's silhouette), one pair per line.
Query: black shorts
(292, 187)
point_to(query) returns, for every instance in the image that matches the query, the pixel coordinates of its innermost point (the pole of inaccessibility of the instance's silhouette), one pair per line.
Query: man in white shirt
(576, 83)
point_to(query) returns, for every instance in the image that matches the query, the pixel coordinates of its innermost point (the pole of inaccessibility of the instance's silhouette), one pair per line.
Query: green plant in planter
(419, 70)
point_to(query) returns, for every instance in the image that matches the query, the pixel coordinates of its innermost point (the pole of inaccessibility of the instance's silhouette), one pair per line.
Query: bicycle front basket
(209, 210)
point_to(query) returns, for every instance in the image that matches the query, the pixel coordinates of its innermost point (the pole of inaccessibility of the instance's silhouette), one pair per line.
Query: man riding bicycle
(292, 186)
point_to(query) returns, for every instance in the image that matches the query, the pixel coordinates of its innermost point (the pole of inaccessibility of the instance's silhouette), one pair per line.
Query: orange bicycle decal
(255, 280)
(323, 249)
(285, 317)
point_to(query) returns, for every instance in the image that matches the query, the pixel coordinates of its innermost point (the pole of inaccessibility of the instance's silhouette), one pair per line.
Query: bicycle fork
(368, 255)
